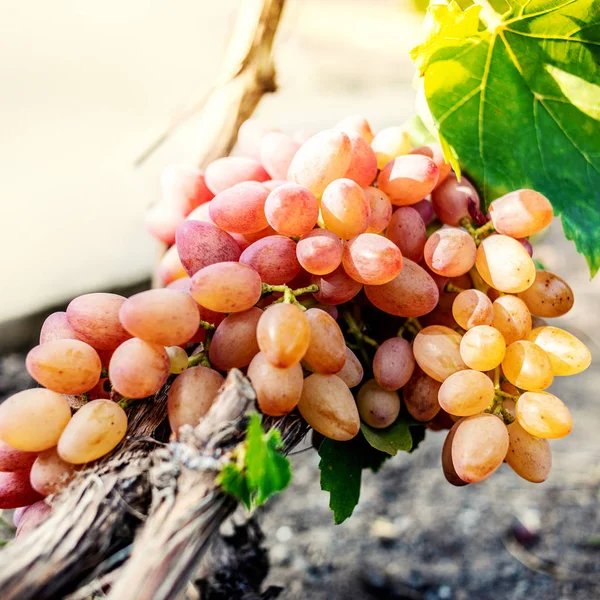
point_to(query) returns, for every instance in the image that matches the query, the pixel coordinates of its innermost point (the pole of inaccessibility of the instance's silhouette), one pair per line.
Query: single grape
(328, 406)
(450, 252)
(273, 184)
(32, 516)
(161, 221)
(184, 284)
(437, 351)
(371, 259)
(273, 258)
(356, 124)
(56, 327)
(178, 359)
(345, 209)
(521, 213)
(50, 473)
(319, 251)
(567, 354)
(292, 209)
(277, 151)
(234, 342)
(241, 208)
(482, 348)
(381, 209)
(471, 308)
(511, 318)
(425, 210)
(363, 163)
(543, 415)
(407, 230)
(436, 154)
(466, 393)
(250, 135)
(170, 268)
(479, 446)
(529, 456)
(352, 372)
(183, 187)
(548, 296)
(326, 351)
(420, 395)
(224, 173)
(527, 366)
(277, 390)
(16, 490)
(390, 143)
(447, 464)
(393, 363)
(191, 396)
(336, 287)
(12, 459)
(138, 369)
(377, 407)
(202, 213)
(408, 179)
(450, 199)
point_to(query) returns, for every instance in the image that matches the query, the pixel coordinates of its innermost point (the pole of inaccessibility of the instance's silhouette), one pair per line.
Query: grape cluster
(350, 277)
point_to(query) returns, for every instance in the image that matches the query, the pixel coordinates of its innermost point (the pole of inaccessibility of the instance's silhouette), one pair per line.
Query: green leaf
(518, 101)
(233, 480)
(397, 437)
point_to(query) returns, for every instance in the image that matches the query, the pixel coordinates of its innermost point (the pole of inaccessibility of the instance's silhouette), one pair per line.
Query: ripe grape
(201, 214)
(437, 351)
(543, 415)
(56, 327)
(183, 188)
(161, 221)
(421, 395)
(170, 268)
(178, 359)
(234, 342)
(326, 352)
(450, 252)
(273, 258)
(184, 284)
(273, 184)
(16, 490)
(363, 163)
(12, 459)
(250, 135)
(528, 456)
(95, 320)
(244, 240)
(425, 210)
(450, 199)
(336, 287)
(162, 316)
(320, 251)
(412, 293)
(226, 287)
(466, 393)
(521, 213)
(277, 390)
(276, 153)
(504, 264)
(447, 464)
(32, 516)
(283, 335)
(50, 473)
(320, 160)
(436, 154)
(224, 173)
(527, 366)
(352, 372)
(292, 209)
(65, 366)
(479, 446)
(390, 143)
(377, 407)
(408, 179)
(191, 396)
(482, 348)
(407, 230)
(138, 369)
(511, 318)
(328, 406)
(345, 208)
(393, 363)
(381, 209)
(472, 308)
(241, 208)
(201, 244)
(567, 354)
(371, 259)
(548, 296)
(356, 124)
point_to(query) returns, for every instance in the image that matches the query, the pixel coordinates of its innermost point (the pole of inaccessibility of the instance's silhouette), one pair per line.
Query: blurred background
(86, 87)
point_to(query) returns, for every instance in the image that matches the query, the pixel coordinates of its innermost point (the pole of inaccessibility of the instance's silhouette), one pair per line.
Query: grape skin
(371, 259)
(434, 151)
(320, 251)
(240, 209)
(377, 407)
(548, 296)
(521, 213)
(567, 354)
(178, 359)
(527, 366)
(437, 351)
(363, 162)
(336, 287)
(447, 464)
(356, 124)
(326, 352)
(450, 252)
(543, 415)
(466, 393)
(393, 363)
(450, 199)
(408, 179)
(32, 516)
(273, 258)
(420, 395)
(56, 327)
(292, 209)
(224, 173)
(528, 456)
(184, 188)
(511, 318)
(352, 372)
(390, 143)
(482, 348)
(471, 308)
(345, 209)
(50, 473)
(12, 459)
(16, 490)
(407, 230)
(380, 209)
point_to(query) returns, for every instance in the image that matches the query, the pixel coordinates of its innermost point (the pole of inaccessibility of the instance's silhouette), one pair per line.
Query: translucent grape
(436, 154)
(393, 363)
(527, 366)
(319, 251)
(16, 490)
(479, 446)
(273, 258)
(328, 406)
(352, 372)
(425, 209)
(184, 188)
(450, 199)
(226, 172)
(50, 473)
(412, 293)
(226, 287)
(407, 230)
(420, 395)
(276, 153)
(482, 348)
(336, 287)
(95, 320)
(161, 221)
(170, 268)
(12, 459)
(466, 393)
(241, 208)
(447, 464)
(65, 366)
(542, 414)
(372, 259)
(191, 396)
(283, 334)
(511, 318)
(390, 143)
(504, 264)
(381, 209)
(356, 124)
(184, 284)
(250, 135)
(178, 359)
(450, 252)
(138, 369)
(292, 209)
(278, 391)
(345, 209)
(234, 342)
(56, 327)
(320, 160)
(377, 407)
(363, 163)
(408, 179)
(326, 351)
(567, 354)
(472, 308)
(529, 456)
(521, 213)
(437, 351)
(549, 296)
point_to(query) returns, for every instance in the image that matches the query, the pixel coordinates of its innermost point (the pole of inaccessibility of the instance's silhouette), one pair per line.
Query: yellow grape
(529, 456)
(482, 348)
(377, 407)
(328, 406)
(33, 420)
(390, 143)
(50, 473)
(95, 429)
(326, 351)
(352, 372)
(527, 366)
(567, 354)
(420, 396)
(447, 464)
(178, 359)
(511, 318)
(345, 209)
(544, 415)
(549, 296)
(471, 308)
(466, 393)
(504, 264)
(437, 351)
(521, 213)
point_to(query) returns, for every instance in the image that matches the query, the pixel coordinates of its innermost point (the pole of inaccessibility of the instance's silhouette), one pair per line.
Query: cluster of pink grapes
(350, 277)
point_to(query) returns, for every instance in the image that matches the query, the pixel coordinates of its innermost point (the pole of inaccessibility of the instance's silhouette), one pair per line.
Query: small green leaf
(395, 438)
(539, 264)
(233, 480)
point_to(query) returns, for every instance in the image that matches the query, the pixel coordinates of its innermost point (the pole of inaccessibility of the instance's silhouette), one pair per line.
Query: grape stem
(502, 394)
(206, 325)
(103, 373)
(478, 282)
(412, 325)
(497, 378)
(453, 289)
(289, 295)
(479, 233)
(356, 331)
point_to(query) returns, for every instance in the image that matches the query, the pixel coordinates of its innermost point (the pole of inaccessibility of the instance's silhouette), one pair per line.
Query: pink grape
(320, 251)
(273, 258)
(303, 135)
(336, 287)
(363, 164)
(450, 199)
(50, 473)
(16, 490)
(202, 213)
(408, 179)
(450, 252)
(32, 516)
(407, 230)
(381, 209)
(345, 209)
(292, 209)
(420, 394)
(371, 259)
(170, 267)
(226, 287)
(243, 240)
(184, 188)
(202, 244)
(276, 153)
(227, 172)
(425, 209)
(12, 459)
(273, 184)
(377, 407)
(241, 208)
(393, 363)
(434, 151)
(250, 135)
(184, 284)
(521, 213)
(356, 124)
(56, 327)
(161, 221)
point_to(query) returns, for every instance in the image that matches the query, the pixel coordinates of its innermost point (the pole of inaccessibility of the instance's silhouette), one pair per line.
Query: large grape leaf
(518, 100)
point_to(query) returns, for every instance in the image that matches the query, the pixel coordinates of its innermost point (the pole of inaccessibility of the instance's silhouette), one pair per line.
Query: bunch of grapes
(350, 277)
